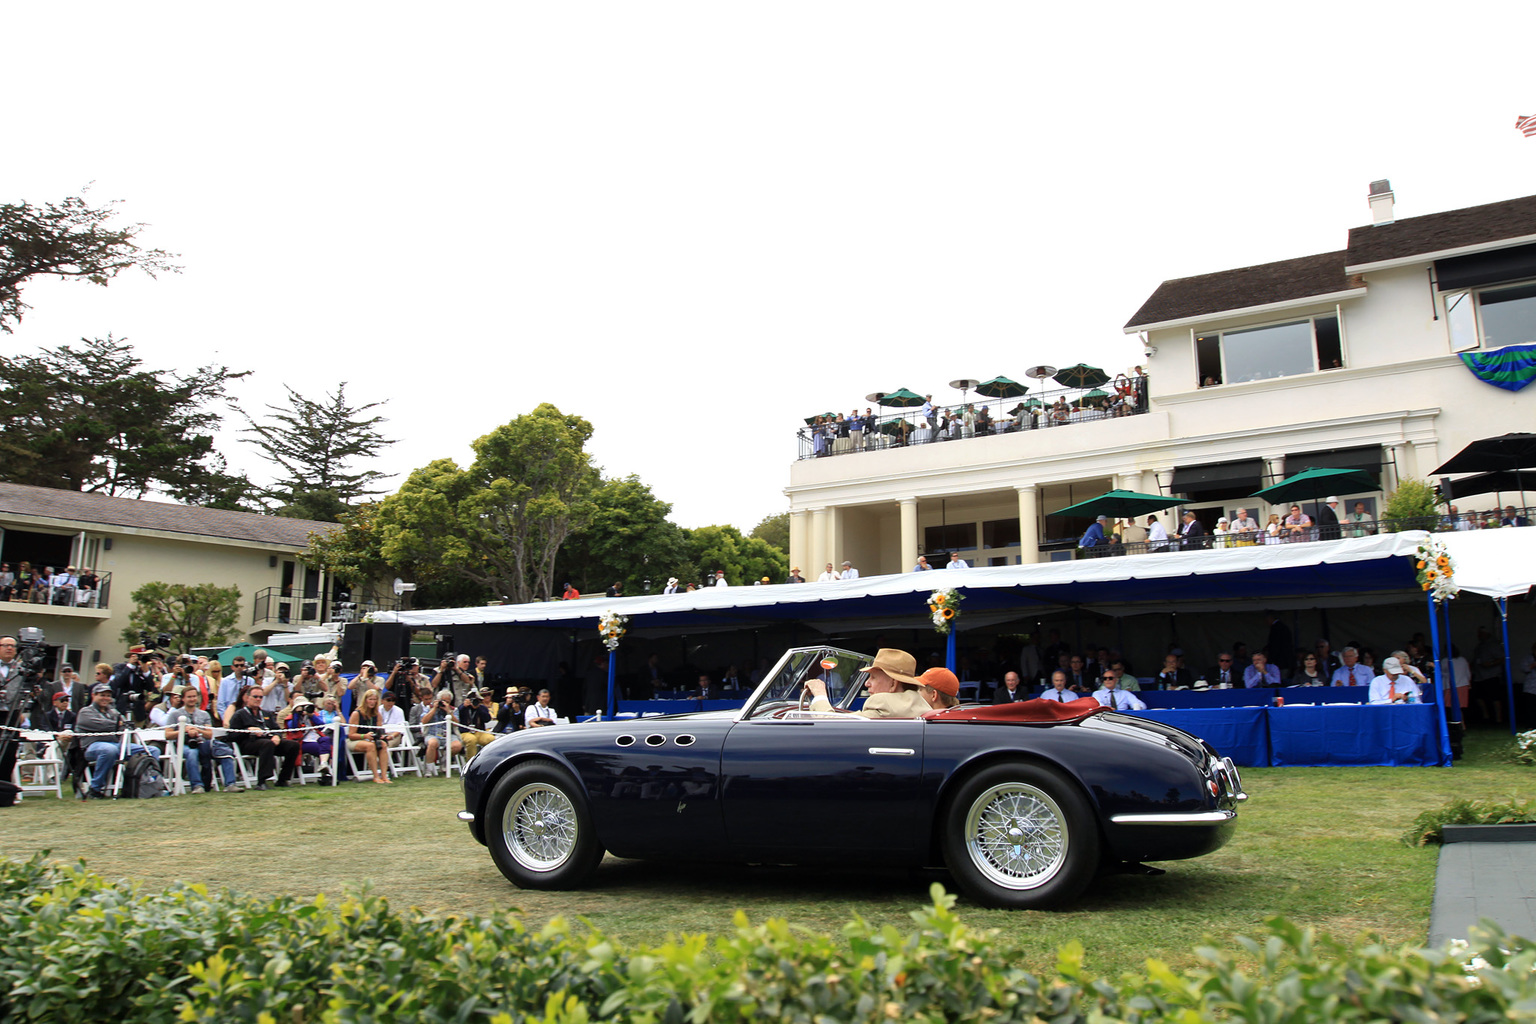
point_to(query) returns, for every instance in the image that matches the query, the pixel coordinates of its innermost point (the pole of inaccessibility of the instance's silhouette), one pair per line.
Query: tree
(745, 560)
(312, 443)
(775, 530)
(90, 418)
(498, 524)
(1415, 501)
(627, 538)
(70, 239)
(194, 614)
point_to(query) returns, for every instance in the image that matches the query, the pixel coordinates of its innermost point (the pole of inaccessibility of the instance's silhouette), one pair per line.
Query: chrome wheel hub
(1016, 836)
(540, 827)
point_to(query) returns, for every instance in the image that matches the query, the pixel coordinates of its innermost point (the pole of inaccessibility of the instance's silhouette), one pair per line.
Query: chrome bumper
(467, 817)
(1197, 818)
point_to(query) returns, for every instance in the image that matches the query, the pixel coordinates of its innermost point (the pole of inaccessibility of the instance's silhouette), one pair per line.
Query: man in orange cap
(893, 688)
(940, 688)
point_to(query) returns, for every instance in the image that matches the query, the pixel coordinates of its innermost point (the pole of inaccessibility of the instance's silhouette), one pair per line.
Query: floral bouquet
(1437, 573)
(611, 627)
(944, 608)
(1525, 748)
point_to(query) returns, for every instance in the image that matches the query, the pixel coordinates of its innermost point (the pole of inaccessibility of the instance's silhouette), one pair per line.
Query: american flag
(1527, 125)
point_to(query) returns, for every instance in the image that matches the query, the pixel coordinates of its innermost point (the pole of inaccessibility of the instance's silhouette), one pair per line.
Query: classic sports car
(1022, 802)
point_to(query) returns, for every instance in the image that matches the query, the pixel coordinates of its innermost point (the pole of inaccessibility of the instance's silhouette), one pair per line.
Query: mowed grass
(1318, 845)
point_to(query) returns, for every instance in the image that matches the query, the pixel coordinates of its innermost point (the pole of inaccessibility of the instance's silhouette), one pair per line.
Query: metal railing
(1038, 410)
(285, 608)
(1495, 519)
(45, 594)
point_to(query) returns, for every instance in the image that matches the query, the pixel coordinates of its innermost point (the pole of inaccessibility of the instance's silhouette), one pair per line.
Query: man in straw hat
(893, 688)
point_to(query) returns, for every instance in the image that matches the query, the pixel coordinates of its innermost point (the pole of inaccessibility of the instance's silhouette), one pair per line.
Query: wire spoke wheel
(540, 826)
(1016, 835)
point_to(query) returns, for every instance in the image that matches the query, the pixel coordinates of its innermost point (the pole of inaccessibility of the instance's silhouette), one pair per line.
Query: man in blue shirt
(1111, 696)
(1261, 672)
(1094, 535)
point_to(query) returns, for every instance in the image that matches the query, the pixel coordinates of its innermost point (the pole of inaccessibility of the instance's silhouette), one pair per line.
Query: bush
(1415, 501)
(79, 948)
(1427, 828)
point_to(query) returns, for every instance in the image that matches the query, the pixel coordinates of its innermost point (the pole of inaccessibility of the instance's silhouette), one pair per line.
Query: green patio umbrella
(901, 398)
(1315, 483)
(1120, 505)
(245, 651)
(1093, 396)
(1001, 387)
(823, 416)
(1081, 376)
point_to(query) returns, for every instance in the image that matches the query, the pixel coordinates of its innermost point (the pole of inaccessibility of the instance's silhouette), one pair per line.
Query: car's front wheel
(539, 829)
(1020, 836)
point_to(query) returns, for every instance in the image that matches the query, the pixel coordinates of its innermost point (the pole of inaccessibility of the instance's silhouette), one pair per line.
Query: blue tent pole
(1435, 687)
(1509, 675)
(613, 661)
(949, 649)
(1453, 704)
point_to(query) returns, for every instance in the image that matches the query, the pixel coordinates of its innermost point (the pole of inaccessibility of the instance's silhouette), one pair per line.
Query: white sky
(695, 223)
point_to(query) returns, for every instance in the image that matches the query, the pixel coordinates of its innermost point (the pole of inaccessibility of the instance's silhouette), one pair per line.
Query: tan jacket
(903, 704)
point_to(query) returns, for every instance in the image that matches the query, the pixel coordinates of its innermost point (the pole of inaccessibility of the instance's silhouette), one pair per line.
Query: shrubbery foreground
(77, 947)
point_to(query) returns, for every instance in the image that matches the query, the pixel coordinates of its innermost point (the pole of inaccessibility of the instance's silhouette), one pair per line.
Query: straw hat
(899, 665)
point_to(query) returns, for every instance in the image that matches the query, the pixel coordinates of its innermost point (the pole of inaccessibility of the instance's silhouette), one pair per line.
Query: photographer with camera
(404, 678)
(453, 674)
(256, 734)
(102, 718)
(130, 680)
(201, 752)
(475, 717)
(437, 728)
(509, 717)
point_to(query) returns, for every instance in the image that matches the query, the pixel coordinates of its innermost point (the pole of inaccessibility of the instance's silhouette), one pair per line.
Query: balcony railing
(1038, 410)
(1306, 534)
(46, 595)
(275, 605)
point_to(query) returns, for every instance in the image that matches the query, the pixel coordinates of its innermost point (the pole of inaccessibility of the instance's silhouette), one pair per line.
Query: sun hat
(898, 665)
(1392, 665)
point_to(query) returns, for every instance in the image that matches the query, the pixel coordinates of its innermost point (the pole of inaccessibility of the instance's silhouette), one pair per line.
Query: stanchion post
(949, 650)
(613, 666)
(1435, 687)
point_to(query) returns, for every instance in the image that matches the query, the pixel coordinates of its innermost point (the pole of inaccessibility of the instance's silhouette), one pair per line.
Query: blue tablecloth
(1356, 735)
(1207, 698)
(1238, 733)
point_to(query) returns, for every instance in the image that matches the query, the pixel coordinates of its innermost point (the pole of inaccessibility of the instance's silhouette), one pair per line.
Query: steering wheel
(805, 698)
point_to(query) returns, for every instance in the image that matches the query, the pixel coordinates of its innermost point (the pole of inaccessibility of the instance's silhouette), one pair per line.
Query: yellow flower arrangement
(943, 608)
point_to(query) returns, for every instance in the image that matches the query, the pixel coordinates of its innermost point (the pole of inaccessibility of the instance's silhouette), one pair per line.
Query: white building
(1340, 359)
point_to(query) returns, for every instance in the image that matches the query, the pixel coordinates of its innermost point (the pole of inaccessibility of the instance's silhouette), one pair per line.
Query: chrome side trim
(1200, 818)
(896, 751)
(466, 815)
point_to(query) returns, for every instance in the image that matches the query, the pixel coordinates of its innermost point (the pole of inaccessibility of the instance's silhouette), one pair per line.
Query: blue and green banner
(1510, 368)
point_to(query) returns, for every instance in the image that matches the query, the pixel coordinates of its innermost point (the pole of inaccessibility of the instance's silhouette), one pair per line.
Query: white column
(1029, 526)
(834, 539)
(799, 554)
(909, 548)
(819, 553)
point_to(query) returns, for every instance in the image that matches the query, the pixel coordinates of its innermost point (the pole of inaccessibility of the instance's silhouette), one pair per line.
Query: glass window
(1508, 315)
(957, 536)
(1000, 533)
(1263, 353)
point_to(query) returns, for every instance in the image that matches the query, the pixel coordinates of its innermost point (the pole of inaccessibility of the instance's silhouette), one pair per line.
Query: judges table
(1316, 726)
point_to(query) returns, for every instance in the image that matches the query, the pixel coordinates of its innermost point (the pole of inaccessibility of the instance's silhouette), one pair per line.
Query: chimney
(1381, 202)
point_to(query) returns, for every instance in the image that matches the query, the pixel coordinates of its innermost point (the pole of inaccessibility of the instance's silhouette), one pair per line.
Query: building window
(1000, 533)
(954, 537)
(1263, 353)
(1492, 317)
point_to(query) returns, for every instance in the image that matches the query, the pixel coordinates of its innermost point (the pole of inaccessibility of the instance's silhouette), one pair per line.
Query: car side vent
(655, 739)
(624, 741)
(684, 740)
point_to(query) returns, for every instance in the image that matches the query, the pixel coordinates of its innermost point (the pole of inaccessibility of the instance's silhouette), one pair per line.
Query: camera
(406, 662)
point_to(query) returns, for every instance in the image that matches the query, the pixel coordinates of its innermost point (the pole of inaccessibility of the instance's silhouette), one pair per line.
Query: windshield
(840, 670)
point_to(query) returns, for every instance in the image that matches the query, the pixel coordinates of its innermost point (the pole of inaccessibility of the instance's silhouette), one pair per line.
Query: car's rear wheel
(539, 829)
(1020, 836)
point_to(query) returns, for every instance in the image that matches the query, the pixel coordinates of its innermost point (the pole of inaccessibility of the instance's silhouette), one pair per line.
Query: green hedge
(76, 947)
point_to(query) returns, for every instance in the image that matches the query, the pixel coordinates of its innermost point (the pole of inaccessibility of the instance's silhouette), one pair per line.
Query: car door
(810, 788)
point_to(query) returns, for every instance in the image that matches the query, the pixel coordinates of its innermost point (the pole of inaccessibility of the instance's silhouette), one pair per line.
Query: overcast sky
(695, 223)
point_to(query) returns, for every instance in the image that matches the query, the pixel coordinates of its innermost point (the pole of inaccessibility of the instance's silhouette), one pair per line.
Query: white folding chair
(406, 757)
(47, 771)
(116, 786)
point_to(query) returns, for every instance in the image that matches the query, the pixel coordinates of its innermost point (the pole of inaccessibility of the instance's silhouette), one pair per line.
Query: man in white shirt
(849, 572)
(1157, 534)
(1393, 686)
(1111, 696)
(391, 718)
(830, 576)
(539, 712)
(720, 578)
(956, 562)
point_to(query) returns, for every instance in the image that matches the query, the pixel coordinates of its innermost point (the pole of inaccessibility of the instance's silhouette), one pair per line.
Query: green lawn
(1319, 845)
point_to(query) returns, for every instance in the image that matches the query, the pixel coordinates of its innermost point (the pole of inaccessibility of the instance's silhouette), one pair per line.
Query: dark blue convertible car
(1023, 803)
